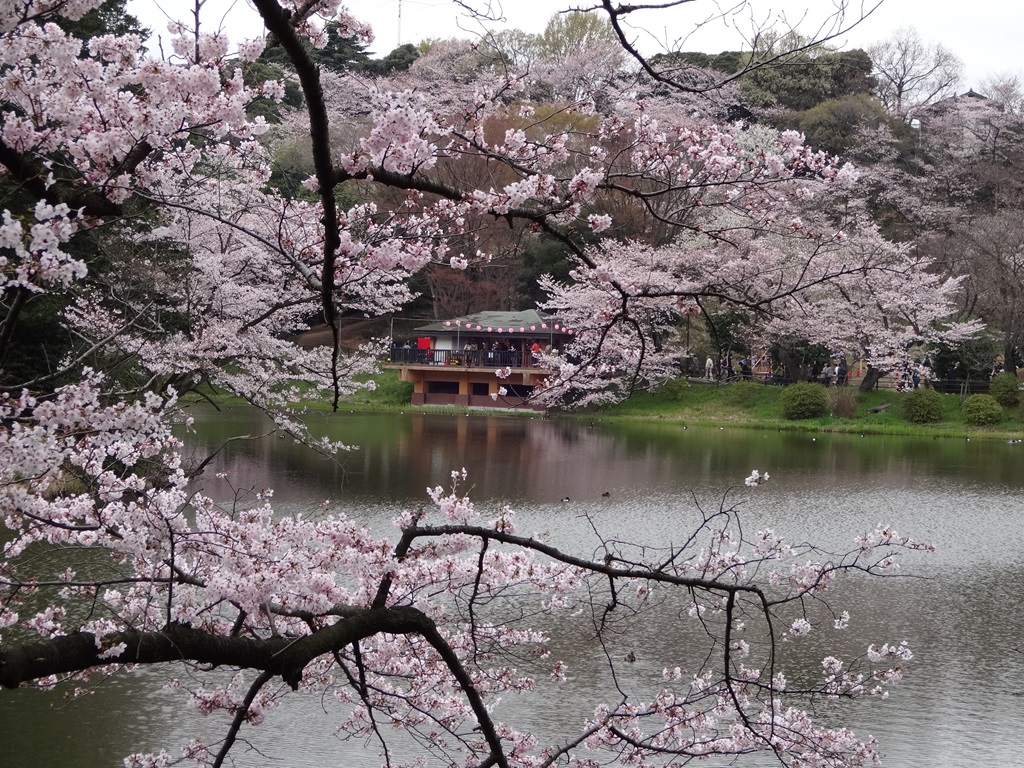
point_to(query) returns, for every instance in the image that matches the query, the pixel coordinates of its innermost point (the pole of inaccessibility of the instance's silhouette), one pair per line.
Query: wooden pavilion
(457, 361)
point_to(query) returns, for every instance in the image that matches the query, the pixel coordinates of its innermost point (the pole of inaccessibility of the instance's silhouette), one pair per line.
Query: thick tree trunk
(1009, 358)
(871, 379)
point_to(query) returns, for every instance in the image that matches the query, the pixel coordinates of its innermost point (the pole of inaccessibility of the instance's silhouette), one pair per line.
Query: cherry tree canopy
(205, 268)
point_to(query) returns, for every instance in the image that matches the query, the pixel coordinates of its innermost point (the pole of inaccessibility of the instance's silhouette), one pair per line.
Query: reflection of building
(470, 360)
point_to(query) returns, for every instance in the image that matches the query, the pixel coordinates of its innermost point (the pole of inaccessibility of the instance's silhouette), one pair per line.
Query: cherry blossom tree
(113, 559)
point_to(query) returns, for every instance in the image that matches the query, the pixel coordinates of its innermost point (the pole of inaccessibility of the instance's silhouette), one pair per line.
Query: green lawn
(757, 405)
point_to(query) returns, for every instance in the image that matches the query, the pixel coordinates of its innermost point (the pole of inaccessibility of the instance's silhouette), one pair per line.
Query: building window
(442, 387)
(519, 390)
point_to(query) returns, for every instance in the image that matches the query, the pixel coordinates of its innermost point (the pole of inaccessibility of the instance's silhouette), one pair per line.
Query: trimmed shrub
(843, 402)
(923, 406)
(1005, 388)
(981, 410)
(804, 401)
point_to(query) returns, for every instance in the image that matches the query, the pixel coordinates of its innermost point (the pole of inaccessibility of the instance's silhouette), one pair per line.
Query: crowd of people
(745, 369)
(836, 373)
(514, 353)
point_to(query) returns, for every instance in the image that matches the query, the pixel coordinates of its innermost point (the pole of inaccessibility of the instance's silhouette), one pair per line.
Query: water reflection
(960, 706)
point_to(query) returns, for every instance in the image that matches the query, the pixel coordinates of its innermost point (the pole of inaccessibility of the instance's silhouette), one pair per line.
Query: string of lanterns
(522, 328)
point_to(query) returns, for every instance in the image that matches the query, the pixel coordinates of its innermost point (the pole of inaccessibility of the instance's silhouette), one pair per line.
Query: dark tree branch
(279, 23)
(834, 27)
(236, 723)
(32, 176)
(483, 717)
(277, 655)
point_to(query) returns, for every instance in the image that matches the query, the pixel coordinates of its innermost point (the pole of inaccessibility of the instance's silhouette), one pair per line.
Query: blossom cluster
(33, 260)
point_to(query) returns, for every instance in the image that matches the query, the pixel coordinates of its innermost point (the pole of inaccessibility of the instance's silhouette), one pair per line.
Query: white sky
(985, 34)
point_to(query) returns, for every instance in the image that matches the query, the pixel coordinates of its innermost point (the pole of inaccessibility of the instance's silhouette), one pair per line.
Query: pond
(960, 705)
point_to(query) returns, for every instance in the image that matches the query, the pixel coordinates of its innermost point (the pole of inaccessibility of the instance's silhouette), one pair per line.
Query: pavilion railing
(463, 358)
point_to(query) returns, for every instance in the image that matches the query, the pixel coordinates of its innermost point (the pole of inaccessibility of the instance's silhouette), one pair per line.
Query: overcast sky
(985, 34)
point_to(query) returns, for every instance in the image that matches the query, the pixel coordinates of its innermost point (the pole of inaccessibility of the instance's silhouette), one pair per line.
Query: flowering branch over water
(425, 633)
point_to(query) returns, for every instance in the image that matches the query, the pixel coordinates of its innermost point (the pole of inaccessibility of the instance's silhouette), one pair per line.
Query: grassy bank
(755, 405)
(743, 404)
